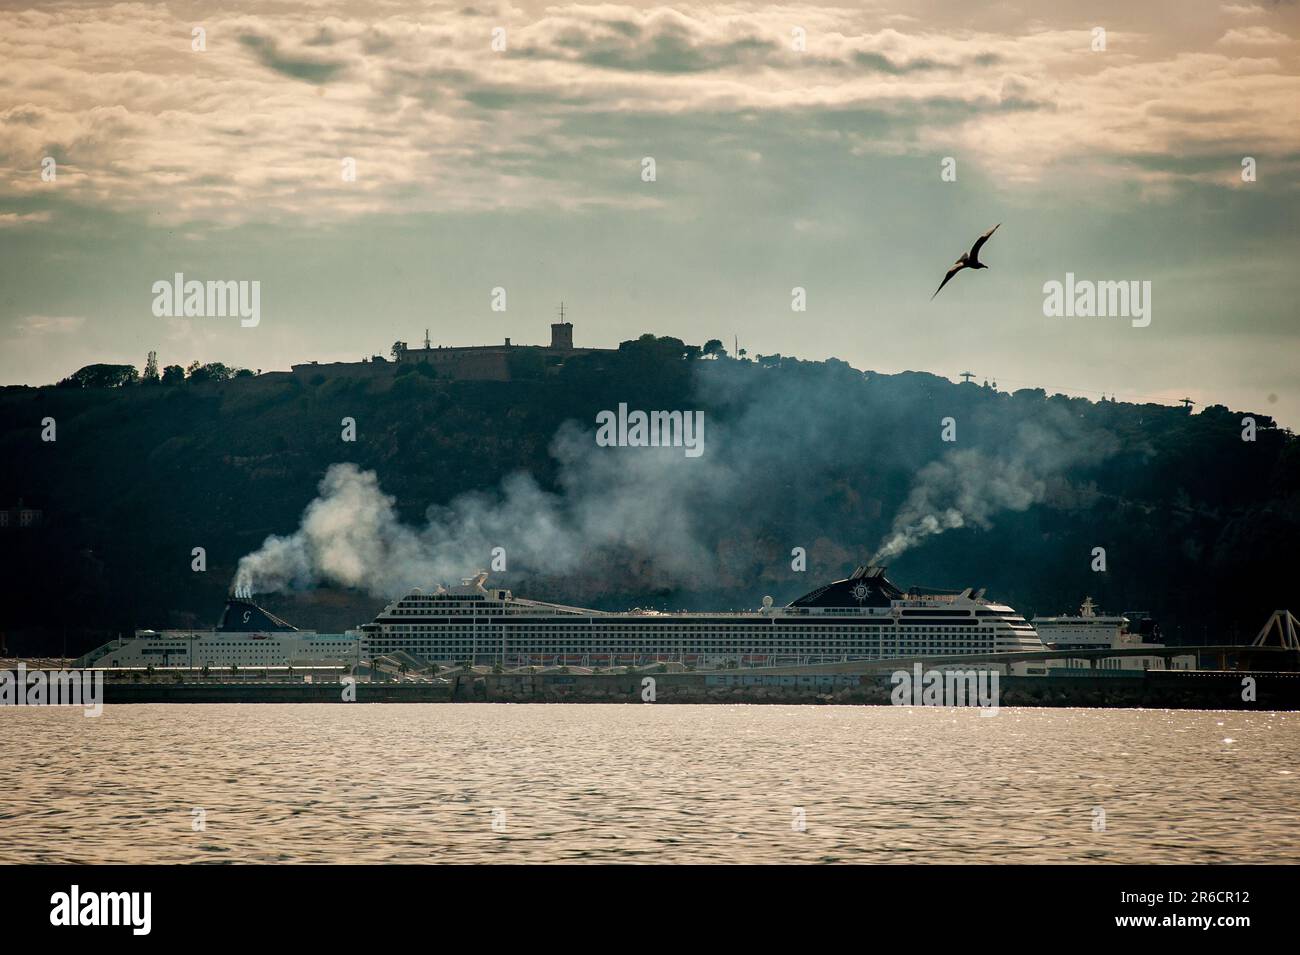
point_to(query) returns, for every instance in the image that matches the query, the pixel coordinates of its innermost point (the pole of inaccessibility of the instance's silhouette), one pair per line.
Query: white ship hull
(200, 648)
(1090, 630)
(247, 636)
(861, 618)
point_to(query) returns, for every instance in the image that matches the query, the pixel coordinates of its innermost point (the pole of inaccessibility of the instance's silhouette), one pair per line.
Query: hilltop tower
(562, 333)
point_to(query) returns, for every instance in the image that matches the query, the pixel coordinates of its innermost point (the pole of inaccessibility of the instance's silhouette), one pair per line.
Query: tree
(101, 376)
(650, 352)
(212, 371)
(150, 376)
(399, 348)
(173, 375)
(243, 373)
(713, 349)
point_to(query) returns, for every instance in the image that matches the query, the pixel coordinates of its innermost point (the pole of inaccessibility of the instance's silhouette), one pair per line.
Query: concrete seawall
(274, 693)
(1154, 689)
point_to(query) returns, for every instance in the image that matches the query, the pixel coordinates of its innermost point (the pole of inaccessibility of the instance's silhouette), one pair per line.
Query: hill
(1195, 522)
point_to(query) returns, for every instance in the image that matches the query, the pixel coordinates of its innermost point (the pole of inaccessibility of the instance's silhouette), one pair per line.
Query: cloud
(256, 126)
(9, 220)
(1253, 36)
(49, 324)
(313, 69)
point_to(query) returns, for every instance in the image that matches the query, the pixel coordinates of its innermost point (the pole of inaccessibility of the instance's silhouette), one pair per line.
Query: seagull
(968, 260)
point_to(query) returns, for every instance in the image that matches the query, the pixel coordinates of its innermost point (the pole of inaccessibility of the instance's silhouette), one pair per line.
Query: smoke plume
(608, 500)
(967, 487)
(798, 456)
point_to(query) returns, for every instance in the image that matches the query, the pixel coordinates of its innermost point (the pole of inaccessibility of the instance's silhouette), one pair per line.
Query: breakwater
(1197, 689)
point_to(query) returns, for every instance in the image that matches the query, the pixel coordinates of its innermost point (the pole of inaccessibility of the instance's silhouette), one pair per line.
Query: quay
(1178, 689)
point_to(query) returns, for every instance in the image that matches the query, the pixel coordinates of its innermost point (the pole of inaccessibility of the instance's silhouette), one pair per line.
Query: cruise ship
(246, 636)
(861, 617)
(1091, 629)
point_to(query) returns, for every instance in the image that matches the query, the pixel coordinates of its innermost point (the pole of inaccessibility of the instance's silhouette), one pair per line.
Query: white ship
(1091, 630)
(862, 617)
(247, 636)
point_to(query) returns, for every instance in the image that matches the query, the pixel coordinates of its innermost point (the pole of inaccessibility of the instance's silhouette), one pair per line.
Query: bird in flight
(968, 260)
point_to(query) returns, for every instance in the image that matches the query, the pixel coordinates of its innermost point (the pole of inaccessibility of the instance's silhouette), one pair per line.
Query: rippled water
(646, 783)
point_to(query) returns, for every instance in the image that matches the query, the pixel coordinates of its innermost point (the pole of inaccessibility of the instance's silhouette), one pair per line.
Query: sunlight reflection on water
(646, 783)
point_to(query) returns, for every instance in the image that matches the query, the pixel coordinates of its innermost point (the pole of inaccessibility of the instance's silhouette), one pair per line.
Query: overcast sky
(776, 167)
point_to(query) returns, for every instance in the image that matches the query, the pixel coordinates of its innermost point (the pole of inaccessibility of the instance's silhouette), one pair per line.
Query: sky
(794, 146)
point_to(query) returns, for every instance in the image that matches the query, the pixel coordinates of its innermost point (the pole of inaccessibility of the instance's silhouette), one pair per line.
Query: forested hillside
(1198, 526)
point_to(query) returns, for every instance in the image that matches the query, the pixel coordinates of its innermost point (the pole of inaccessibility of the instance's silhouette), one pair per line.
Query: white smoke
(609, 499)
(967, 487)
(772, 477)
